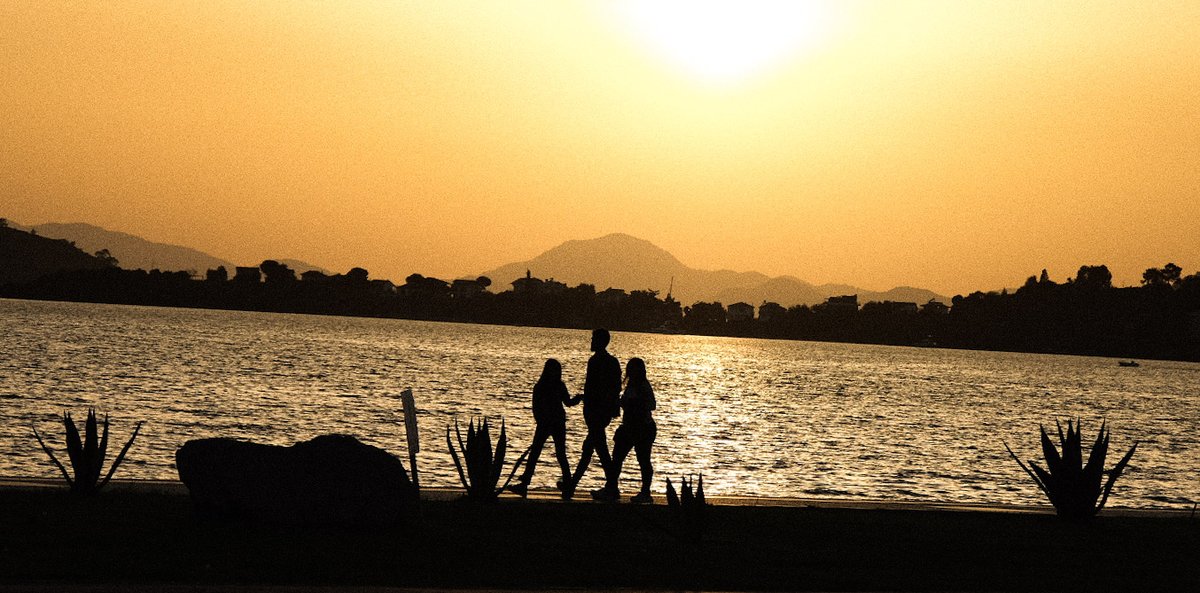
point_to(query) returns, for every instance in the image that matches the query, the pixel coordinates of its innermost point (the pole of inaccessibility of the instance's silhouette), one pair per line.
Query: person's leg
(559, 434)
(643, 446)
(589, 445)
(535, 452)
(644, 441)
(601, 444)
(622, 444)
(585, 458)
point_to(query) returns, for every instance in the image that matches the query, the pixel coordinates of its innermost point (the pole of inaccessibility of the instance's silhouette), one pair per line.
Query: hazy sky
(950, 145)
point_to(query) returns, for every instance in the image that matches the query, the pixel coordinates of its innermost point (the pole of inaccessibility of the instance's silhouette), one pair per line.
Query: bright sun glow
(728, 41)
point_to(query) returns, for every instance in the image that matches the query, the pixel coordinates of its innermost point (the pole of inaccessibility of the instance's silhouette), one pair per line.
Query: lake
(756, 417)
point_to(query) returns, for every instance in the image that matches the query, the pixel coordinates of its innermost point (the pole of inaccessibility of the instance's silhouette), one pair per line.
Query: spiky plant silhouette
(86, 455)
(483, 467)
(688, 508)
(1077, 491)
(689, 499)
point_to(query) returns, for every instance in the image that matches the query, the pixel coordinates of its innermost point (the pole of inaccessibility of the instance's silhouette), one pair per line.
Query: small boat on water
(1128, 363)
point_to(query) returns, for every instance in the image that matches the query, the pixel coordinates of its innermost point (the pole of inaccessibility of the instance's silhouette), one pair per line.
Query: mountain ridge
(619, 260)
(133, 252)
(25, 256)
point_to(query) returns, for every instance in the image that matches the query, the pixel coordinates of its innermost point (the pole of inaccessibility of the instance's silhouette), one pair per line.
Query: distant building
(527, 285)
(610, 297)
(418, 285)
(247, 274)
(219, 274)
(466, 288)
(841, 304)
(898, 307)
(740, 312)
(531, 285)
(770, 312)
(935, 308)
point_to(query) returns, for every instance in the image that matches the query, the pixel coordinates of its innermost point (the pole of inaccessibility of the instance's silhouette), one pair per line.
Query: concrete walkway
(176, 487)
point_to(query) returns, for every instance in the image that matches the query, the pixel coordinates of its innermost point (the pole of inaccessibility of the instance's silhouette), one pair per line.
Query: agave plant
(481, 476)
(86, 455)
(689, 499)
(687, 508)
(1075, 489)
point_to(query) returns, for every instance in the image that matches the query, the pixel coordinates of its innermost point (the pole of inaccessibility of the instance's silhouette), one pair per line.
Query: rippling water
(758, 417)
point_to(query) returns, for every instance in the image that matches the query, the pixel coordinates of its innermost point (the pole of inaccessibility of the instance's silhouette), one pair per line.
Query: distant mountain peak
(620, 260)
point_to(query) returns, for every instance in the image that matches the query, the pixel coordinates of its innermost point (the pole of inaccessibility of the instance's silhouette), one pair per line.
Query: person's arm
(566, 396)
(589, 379)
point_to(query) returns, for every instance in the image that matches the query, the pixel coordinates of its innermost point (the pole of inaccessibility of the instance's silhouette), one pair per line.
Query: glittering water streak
(758, 417)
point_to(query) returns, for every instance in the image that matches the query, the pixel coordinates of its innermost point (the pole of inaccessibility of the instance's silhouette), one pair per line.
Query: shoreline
(451, 494)
(966, 348)
(143, 535)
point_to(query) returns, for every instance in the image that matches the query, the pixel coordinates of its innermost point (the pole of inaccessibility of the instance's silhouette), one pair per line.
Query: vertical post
(411, 432)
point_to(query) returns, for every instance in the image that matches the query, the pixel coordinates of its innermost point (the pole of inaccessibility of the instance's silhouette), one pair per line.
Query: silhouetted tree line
(1084, 315)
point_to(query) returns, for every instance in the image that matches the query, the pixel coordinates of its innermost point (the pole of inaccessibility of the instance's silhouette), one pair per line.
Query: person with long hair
(637, 432)
(550, 419)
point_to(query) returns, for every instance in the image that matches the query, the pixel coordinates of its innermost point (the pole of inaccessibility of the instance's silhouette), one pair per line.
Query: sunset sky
(955, 146)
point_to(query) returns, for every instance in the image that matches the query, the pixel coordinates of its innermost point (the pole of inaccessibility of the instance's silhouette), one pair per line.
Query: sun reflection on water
(756, 417)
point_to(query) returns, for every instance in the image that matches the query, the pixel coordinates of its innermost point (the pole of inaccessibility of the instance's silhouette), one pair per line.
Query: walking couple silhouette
(603, 401)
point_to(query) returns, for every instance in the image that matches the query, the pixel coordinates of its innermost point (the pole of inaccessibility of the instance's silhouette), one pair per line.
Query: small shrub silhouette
(86, 455)
(483, 467)
(688, 507)
(1076, 490)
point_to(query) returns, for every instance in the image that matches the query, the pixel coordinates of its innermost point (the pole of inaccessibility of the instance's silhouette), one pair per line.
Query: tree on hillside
(104, 256)
(276, 273)
(1093, 278)
(1167, 275)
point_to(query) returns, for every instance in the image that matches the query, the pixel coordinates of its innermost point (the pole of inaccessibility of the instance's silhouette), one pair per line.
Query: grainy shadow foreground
(137, 536)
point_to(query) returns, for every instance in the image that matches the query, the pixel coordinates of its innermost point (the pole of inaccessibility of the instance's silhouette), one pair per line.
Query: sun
(724, 42)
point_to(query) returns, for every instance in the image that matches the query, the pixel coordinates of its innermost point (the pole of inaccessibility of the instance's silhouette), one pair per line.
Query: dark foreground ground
(134, 537)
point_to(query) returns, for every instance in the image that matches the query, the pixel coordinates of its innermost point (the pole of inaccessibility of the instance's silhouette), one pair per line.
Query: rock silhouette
(331, 479)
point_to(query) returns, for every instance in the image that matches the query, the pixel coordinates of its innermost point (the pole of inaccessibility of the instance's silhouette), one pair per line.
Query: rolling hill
(133, 252)
(25, 257)
(622, 261)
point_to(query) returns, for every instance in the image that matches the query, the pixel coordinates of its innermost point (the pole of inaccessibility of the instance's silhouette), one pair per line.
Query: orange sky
(949, 145)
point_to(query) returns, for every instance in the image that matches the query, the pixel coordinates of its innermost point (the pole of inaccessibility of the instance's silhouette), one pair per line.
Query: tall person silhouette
(601, 394)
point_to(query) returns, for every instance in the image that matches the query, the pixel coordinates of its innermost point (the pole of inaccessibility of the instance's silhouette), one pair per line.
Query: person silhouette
(637, 431)
(601, 391)
(549, 396)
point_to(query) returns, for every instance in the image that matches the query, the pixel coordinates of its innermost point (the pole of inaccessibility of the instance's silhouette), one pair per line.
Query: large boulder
(332, 479)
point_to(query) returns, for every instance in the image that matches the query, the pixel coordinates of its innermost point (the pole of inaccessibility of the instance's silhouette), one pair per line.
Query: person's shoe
(520, 489)
(567, 493)
(604, 495)
(642, 498)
